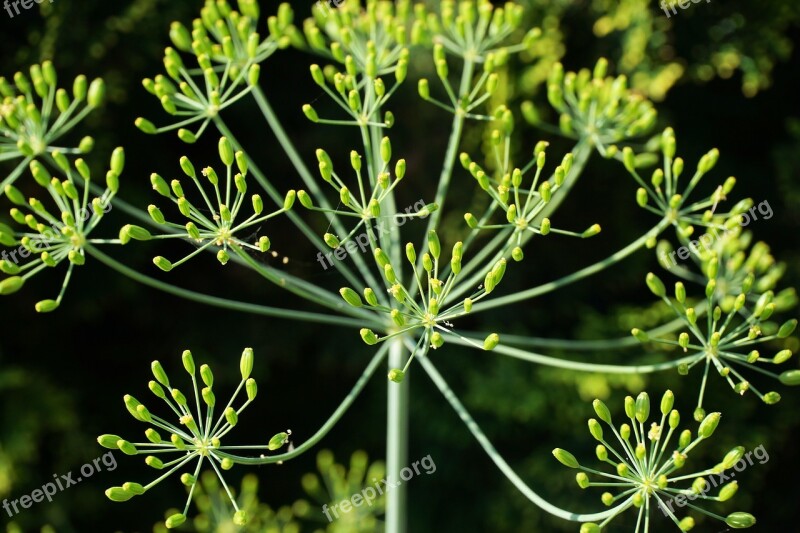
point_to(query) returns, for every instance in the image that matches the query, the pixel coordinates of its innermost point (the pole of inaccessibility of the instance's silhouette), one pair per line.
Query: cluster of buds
(738, 262)
(644, 475)
(722, 339)
(52, 236)
(663, 197)
(35, 114)
(524, 208)
(475, 33)
(596, 107)
(228, 50)
(372, 44)
(336, 483)
(431, 316)
(367, 209)
(195, 438)
(224, 204)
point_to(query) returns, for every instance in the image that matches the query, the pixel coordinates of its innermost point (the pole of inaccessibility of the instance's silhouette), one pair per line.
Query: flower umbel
(221, 228)
(726, 340)
(195, 437)
(228, 50)
(52, 238)
(644, 472)
(35, 113)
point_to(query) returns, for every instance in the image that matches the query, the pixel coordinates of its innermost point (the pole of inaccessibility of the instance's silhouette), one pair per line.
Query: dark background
(62, 375)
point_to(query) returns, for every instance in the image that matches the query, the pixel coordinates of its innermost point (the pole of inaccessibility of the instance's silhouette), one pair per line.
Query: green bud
(771, 398)
(491, 342)
(655, 285)
(601, 452)
(565, 458)
(159, 373)
(642, 407)
(787, 328)
(108, 441)
(740, 520)
(240, 517)
(368, 336)
(251, 387)
(370, 296)
(640, 335)
(310, 113)
(595, 429)
(288, 201)
(790, 377)
(630, 407)
(602, 411)
(231, 417)
(175, 520)
(708, 425)
(667, 402)
(278, 440)
(593, 230)
(207, 375)
(350, 296)
(434, 246)
(126, 447)
(118, 494)
(156, 389)
(154, 462)
(386, 150)
(163, 263)
(11, 285)
(674, 419)
(97, 93)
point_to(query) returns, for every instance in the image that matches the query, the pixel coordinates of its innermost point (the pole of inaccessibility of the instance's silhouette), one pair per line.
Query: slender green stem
(313, 187)
(628, 341)
(224, 303)
(327, 426)
(576, 365)
(396, 442)
(278, 199)
(575, 276)
(495, 456)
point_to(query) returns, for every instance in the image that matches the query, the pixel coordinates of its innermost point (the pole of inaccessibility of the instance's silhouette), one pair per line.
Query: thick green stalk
(396, 442)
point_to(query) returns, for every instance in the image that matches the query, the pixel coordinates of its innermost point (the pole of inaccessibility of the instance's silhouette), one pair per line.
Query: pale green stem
(575, 276)
(225, 303)
(576, 365)
(495, 456)
(396, 442)
(628, 341)
(278, 199)
(450, 155)
(313, 187)
(326, 427)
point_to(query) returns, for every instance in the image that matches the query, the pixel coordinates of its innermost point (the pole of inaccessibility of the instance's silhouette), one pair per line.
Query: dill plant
(403, 298)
